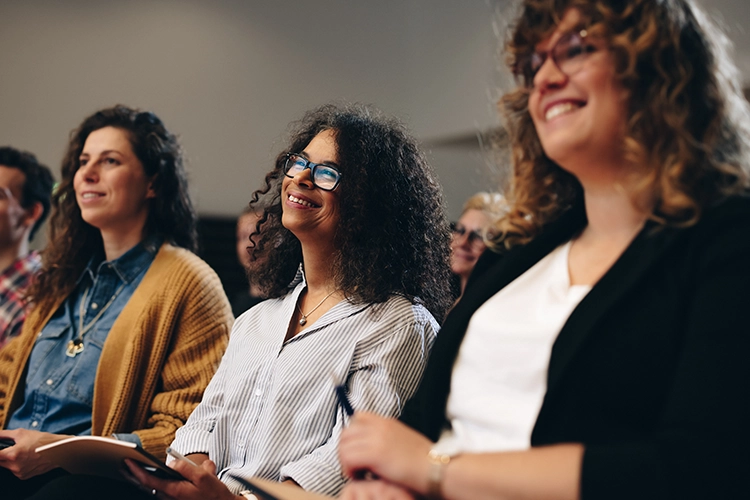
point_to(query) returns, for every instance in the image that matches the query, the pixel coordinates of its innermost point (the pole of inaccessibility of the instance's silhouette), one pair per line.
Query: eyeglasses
(323, 176)
(474, 238)
(568, 54)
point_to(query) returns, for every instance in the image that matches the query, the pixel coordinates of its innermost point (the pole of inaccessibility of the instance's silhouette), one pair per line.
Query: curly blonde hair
(687, 125)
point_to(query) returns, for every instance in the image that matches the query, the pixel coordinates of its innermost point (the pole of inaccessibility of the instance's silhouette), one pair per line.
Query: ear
(150, 191)
(32, 214)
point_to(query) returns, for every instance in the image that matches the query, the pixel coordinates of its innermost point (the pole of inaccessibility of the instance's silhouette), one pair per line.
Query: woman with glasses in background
(480, 211)
(355, 264)
(603, 353)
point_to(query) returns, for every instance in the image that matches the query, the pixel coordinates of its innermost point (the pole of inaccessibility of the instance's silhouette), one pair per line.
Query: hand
(375, 490)
(387, 448)
(21, 459)
(200, 482)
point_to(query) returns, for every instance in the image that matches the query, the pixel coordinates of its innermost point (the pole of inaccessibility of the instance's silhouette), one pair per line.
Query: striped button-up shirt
(271, 410)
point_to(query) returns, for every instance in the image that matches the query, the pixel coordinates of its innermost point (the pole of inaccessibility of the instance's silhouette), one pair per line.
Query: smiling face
(309, 212)
(580, 117)
(112, 189)
(464, 251)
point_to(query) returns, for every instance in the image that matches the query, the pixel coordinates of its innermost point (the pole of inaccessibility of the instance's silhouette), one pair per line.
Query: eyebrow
(329, 163)
(105, 152)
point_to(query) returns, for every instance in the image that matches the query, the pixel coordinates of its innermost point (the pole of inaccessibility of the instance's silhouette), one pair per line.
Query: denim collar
(129, 265)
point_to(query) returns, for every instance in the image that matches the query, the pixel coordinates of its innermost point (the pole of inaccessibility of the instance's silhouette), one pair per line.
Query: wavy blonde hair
(687, 126)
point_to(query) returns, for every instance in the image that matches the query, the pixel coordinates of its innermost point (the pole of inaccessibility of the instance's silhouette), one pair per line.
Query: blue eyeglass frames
(323, 176)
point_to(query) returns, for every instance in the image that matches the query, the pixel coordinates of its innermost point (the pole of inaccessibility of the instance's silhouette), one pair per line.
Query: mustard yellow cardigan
(158, 358)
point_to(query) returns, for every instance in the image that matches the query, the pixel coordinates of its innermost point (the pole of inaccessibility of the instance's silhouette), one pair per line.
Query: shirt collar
(129, 265)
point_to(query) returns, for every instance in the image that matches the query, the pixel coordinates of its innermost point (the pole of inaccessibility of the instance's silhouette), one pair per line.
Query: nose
(88, 172)
(549, 76)
(461, 240)
(304, 178)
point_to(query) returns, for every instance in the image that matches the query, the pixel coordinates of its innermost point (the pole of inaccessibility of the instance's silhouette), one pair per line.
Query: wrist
(437, 464)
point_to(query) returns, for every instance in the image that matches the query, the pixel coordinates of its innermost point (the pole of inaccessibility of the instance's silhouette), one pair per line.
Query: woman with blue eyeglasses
(601, 350)
(356, 265)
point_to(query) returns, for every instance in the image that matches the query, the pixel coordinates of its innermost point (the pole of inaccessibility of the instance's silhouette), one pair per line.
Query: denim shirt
(59, 389)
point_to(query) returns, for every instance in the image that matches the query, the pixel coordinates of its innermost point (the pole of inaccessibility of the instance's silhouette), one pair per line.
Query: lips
(560, 108)
(90, 195)
(300, 201)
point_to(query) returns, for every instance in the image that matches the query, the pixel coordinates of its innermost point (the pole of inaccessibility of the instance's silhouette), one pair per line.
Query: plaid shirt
(13, 284)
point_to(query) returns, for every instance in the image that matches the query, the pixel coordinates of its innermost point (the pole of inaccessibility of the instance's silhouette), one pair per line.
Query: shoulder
(723, 227)
(177, 274)
(176, 263)
(728, 213)
(398, 312)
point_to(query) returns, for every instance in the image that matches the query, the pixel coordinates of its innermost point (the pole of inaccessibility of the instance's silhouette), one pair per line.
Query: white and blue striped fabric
(271, 410)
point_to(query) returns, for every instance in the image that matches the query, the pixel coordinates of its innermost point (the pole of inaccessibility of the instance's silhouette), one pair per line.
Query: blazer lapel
(626, 272)
(491, 273)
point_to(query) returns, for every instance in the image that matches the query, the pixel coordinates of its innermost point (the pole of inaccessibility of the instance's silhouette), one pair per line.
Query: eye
(298, 164)
(110, 161)
(326, 173)
(535, 62)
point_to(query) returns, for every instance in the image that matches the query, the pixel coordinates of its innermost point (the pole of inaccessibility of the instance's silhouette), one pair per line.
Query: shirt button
(50, 381)
(94, 305)
(34, 423)
(258, 392)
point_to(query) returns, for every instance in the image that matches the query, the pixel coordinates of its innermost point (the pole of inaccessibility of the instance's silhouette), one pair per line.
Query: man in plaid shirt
(25, 192)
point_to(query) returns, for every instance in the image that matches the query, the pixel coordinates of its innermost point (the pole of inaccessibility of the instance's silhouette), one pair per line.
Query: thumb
(209, 466)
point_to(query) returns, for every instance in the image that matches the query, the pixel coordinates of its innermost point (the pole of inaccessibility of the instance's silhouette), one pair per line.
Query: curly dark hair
(393, 236)
(37, 186)
(687, 125)
(72, 241)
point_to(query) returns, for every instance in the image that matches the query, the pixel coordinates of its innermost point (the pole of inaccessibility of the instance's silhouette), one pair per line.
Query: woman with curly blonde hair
(600, 352)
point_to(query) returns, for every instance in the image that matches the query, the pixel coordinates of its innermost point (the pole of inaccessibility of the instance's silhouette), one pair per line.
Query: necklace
(303, 316)
(75, 346)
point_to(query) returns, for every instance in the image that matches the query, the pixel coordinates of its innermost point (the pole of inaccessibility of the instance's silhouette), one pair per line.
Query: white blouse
(500, 374)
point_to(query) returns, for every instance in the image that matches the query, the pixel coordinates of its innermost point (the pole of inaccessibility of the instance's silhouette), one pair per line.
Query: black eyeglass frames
(323, 176)
(474, 238)
(568, 54)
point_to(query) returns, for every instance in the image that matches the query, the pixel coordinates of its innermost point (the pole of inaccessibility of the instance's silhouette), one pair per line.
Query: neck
(254, 290)
(13, 252)
(464, 278)
(318, 272)
(117, 243)
(612, 213)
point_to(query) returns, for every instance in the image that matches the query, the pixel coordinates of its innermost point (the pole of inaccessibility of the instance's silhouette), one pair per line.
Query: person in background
(247, 298)
(479, 213)
(602, 353)
(25, 192)
(128, 325)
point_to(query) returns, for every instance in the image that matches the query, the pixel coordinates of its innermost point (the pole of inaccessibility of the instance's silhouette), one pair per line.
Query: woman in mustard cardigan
(128, 325)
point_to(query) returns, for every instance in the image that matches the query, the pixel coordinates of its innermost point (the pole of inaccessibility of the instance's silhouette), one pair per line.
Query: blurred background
(229, 75)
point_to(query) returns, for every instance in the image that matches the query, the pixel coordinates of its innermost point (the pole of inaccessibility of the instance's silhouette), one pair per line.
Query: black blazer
(651, 370)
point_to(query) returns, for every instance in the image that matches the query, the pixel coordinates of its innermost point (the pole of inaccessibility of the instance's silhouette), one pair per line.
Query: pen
(344, 399)
(179, 456)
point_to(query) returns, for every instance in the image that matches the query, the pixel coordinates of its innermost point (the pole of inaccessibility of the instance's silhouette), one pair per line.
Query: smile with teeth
(86, 196)
(304, 203)
(560, 109)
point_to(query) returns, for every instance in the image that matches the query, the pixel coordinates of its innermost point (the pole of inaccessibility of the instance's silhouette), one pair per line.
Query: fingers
(374, 490)
(144, 479)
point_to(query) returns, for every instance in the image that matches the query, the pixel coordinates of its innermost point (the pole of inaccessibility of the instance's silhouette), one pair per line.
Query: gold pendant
(75, 347)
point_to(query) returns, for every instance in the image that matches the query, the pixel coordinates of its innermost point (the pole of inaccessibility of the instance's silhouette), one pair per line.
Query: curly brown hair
(72, 241)
(687, 125)
(393, 235)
